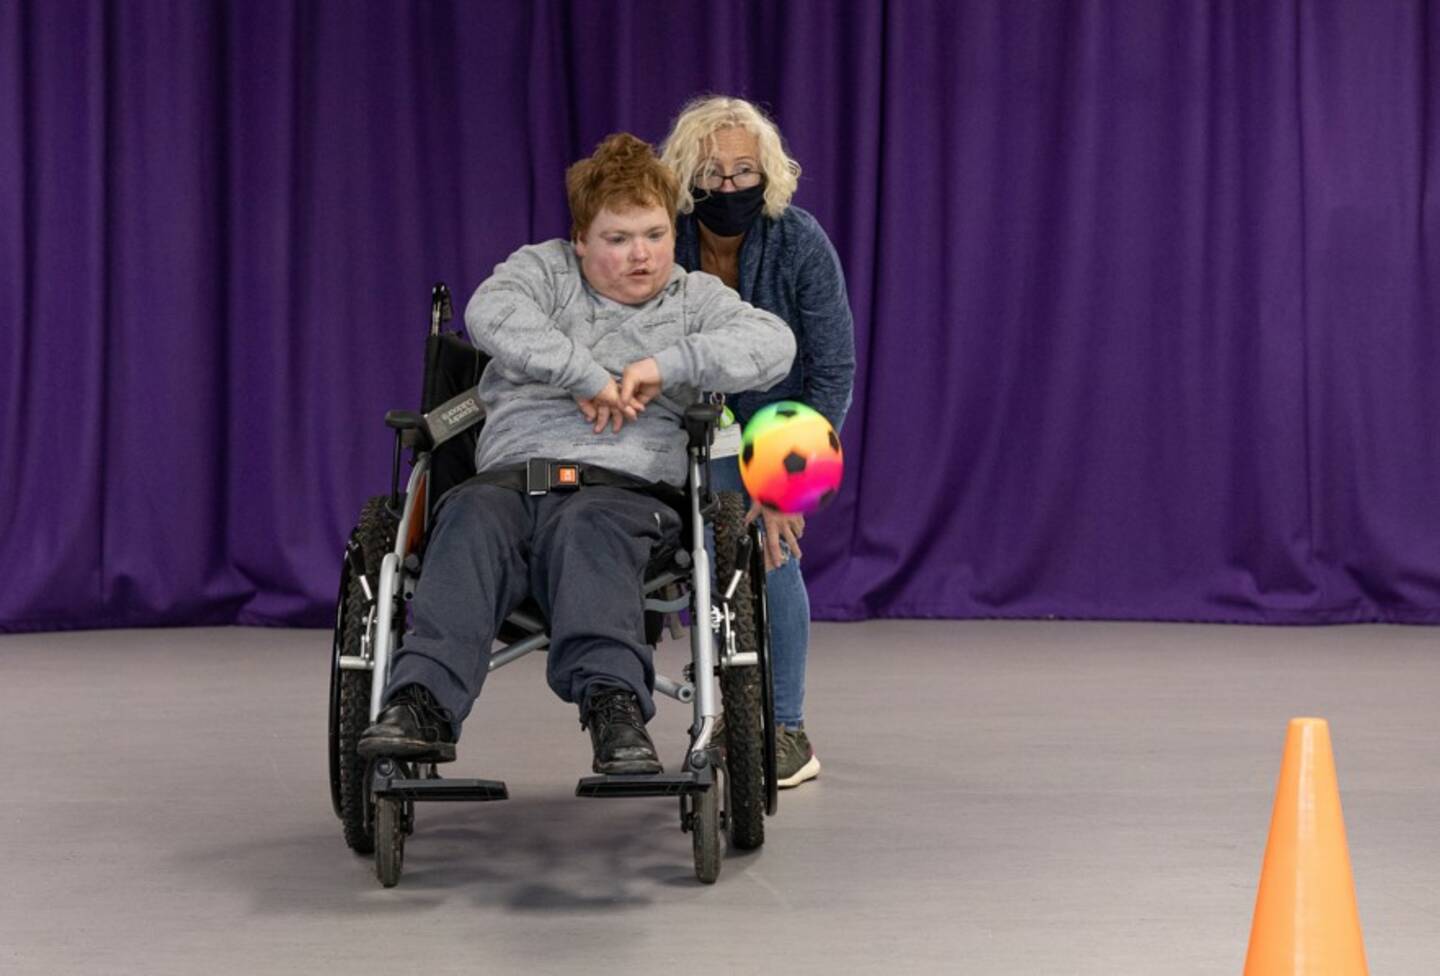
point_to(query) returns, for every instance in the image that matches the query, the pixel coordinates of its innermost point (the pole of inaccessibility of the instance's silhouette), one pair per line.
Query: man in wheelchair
(597, 345)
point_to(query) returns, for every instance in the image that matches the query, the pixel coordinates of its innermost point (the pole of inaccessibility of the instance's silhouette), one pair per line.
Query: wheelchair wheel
(390, 829)
(705, 833)
(741, 693)
(350, 690)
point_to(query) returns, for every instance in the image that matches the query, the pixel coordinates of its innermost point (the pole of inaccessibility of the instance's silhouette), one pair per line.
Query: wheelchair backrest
(452, 366)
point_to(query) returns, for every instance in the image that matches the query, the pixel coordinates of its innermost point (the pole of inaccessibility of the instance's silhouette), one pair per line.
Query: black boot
(413, 727)
(617, 732)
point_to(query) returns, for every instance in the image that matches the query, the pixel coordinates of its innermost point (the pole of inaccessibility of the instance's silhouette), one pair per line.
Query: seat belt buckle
(537, 476)
(564, 477)
(543, 475)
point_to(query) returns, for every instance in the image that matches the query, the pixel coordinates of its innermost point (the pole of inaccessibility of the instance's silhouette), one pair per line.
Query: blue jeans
(788, 607)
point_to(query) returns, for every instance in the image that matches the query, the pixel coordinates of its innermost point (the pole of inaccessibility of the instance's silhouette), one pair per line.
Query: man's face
(626, 255)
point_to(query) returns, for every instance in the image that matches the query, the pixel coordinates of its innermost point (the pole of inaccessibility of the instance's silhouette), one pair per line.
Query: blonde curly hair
(692, 139)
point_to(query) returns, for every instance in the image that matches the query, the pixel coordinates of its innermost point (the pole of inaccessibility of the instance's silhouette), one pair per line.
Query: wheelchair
(727, 791)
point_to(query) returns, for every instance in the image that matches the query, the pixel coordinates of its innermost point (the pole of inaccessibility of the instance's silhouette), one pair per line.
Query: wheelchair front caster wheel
(389, 839)
(705, 833)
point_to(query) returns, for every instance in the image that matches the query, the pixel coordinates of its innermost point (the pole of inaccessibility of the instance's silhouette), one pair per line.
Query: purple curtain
(1147, 293)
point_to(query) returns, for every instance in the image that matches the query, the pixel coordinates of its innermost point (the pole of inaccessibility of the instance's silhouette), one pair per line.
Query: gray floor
(1032, 798)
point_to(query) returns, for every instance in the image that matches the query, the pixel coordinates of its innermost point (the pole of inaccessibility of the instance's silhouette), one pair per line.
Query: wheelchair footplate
(392, 779)
(650, 784)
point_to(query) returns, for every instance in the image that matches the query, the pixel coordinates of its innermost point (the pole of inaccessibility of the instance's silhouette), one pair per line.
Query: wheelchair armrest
(428, 431)
(403, 419)
(700, 420)
(411, 428)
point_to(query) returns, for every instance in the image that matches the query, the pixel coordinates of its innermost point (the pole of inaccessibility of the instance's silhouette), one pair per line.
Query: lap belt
(540, 476)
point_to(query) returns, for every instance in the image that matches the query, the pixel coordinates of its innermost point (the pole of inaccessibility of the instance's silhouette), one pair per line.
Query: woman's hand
(778, 528)
(606, 407)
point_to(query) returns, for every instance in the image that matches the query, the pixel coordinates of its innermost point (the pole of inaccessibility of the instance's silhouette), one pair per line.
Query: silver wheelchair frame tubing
(701, 637)
(391, 584)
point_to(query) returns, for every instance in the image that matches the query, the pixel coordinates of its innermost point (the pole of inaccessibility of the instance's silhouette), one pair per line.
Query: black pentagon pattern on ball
(748, 453)
(794, 463)
(834, 441)
(786, 412)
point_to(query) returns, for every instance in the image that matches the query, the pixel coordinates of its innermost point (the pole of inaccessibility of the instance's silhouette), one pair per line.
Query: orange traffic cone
(1306, 922)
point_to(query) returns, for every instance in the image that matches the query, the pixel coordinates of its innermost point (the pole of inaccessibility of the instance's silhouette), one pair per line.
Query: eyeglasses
(743, 178)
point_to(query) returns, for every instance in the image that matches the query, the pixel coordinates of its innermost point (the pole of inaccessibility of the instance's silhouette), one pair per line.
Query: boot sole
(415, 750)
(629, 767)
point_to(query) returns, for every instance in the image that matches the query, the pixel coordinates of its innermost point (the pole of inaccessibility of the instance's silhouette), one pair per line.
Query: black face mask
(730, 214)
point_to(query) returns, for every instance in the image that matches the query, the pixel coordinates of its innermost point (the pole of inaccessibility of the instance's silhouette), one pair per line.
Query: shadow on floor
(528, 854)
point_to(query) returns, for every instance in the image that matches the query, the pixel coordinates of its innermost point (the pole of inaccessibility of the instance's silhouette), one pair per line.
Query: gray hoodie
(550, 338)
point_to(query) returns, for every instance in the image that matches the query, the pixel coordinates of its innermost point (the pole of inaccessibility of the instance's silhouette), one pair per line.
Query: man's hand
(606, 408)
(639, 384)
(778, 528)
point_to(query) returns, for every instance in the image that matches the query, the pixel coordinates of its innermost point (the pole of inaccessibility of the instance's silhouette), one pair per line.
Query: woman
(736, 222)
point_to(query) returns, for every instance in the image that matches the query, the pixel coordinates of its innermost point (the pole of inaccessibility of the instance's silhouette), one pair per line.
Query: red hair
(622, 172)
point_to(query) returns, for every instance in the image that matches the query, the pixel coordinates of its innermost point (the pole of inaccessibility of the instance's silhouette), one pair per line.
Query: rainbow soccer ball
(790, 458)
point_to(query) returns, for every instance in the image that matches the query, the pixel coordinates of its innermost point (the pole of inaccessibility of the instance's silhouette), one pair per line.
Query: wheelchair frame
(729, 642)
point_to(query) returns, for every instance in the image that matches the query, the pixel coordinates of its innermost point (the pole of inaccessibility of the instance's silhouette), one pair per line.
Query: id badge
(727, 442)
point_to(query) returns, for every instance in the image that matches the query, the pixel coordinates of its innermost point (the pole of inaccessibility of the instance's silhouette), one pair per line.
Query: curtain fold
(1146, 293)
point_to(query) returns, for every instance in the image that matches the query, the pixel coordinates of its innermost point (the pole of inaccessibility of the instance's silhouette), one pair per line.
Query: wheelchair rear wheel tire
(390, 832)
(740, 693)
(744, 759)
(350, 690)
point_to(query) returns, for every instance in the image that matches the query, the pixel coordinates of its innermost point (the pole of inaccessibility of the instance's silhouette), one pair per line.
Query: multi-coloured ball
(790, 458)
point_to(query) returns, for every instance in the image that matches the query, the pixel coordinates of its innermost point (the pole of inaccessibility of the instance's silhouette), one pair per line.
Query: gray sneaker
(795, 760)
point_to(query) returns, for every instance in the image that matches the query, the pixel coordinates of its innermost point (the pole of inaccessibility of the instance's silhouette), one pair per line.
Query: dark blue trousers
(583, 556)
